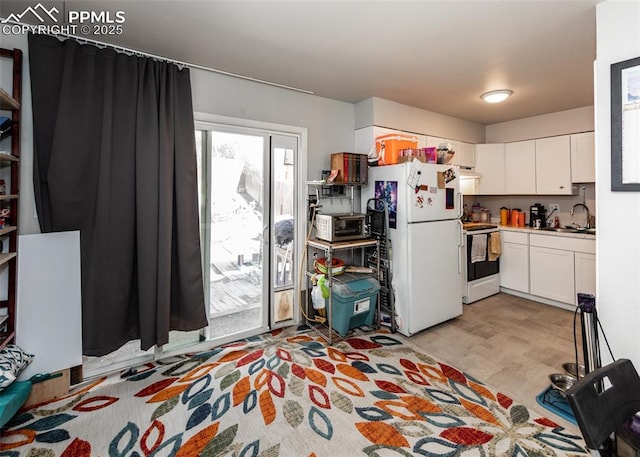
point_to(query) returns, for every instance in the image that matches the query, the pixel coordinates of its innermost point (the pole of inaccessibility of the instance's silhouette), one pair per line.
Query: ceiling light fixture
(496, 96)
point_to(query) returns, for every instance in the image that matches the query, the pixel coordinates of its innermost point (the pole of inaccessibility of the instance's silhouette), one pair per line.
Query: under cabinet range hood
(469, 180)
(467, 173)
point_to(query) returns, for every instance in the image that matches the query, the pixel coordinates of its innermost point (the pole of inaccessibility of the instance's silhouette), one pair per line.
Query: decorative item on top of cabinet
(10, 172)
(382, 144)
(464, 152)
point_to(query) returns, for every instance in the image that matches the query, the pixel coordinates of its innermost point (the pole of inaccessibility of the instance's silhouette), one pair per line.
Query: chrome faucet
(586, 208)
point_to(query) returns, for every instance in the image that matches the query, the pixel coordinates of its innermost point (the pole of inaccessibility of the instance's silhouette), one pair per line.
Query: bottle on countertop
(504, 216)
(556, 222)
(465, 213)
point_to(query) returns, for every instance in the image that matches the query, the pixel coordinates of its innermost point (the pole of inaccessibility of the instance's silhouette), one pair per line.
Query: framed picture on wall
(625, 125)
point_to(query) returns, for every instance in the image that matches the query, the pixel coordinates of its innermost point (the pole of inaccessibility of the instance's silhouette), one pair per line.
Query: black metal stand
(378, 223)
(589, 325)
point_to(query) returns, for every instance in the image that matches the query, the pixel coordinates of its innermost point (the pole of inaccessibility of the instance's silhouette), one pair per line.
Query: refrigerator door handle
(460, 247)
(460, 204)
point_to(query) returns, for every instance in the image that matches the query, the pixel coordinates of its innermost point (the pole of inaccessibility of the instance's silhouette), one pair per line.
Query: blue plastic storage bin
(12, 398)
(354, 303)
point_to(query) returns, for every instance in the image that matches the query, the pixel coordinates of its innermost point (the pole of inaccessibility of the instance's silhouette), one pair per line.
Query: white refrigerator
(426, 240)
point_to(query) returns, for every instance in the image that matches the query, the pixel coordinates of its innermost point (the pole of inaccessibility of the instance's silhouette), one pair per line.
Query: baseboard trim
(542, 300)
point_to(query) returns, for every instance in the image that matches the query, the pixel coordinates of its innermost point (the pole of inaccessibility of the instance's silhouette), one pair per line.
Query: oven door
(348, 227)
(481, 269)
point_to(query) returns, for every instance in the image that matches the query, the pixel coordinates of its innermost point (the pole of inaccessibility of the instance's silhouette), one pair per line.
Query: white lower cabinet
(514, 261)
(552, 267)
(585, 265)
(552, 274)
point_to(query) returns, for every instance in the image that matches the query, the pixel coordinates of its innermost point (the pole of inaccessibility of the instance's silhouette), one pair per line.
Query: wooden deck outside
(234, 289)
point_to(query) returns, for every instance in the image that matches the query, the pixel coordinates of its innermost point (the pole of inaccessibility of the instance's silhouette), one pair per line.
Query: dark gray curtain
(114, 157)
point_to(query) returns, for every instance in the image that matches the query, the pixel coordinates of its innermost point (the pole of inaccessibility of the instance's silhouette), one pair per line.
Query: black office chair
(604, 400)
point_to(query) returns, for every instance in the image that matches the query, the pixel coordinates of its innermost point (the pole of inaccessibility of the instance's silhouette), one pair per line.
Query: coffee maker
(537, 216)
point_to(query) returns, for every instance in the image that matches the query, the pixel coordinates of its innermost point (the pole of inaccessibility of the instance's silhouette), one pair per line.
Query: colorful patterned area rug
(290, 395)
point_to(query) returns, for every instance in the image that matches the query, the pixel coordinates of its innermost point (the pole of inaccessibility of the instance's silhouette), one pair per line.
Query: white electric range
(481, 277)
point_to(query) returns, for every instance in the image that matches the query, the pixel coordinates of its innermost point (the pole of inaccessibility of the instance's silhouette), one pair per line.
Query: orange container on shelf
(388, 147)
(521, 217)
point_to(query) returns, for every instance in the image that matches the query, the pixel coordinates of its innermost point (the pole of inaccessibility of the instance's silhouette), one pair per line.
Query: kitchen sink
(570, 230)
(560, 229)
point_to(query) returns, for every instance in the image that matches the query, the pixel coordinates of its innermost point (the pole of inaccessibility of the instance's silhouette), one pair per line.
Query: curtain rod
(178, 62)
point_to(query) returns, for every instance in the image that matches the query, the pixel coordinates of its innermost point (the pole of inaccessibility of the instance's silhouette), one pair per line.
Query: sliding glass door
(234, 215)
(284, 151)
(248, 221)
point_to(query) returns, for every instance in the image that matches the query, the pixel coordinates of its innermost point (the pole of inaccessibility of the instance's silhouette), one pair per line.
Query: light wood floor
(508, 342)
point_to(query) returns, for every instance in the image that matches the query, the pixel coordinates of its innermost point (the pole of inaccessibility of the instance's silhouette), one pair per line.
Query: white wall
(385, 113)
(618, 241)
(552, 124)
(329, 122)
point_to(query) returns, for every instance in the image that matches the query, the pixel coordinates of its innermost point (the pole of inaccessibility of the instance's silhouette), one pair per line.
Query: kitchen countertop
(510, 228)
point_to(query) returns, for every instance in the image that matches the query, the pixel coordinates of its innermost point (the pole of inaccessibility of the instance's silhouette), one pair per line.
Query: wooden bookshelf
(10, 100)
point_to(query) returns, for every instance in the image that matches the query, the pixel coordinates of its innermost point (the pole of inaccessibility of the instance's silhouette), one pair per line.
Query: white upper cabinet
(490, 164)
(545, 166)
(520, 167)
(583, 157)
(464, 154)
(553, 166)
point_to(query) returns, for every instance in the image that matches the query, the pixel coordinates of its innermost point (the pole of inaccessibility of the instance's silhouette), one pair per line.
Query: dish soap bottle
(556, 222)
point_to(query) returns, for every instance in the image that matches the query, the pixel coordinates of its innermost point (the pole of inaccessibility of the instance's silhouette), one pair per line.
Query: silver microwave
(340, 227)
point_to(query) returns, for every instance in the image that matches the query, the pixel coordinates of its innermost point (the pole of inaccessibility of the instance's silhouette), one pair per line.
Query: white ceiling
(436, 55)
